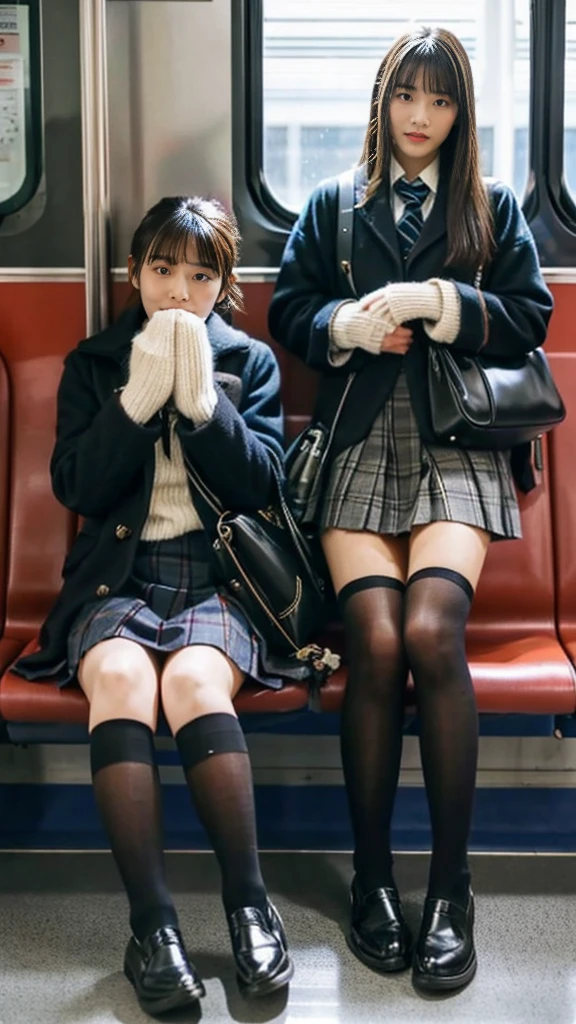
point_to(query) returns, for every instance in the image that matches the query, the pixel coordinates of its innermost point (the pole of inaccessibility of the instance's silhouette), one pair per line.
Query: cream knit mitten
(436, 302)
(353, 327)
(151, 374)
(194, 393)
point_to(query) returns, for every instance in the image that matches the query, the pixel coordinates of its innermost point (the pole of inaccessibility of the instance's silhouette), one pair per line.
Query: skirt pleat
(391, 481)
(171, 602)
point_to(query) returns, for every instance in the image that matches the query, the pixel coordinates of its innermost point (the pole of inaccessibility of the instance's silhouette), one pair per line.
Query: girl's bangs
(171, 242)
(438, 72)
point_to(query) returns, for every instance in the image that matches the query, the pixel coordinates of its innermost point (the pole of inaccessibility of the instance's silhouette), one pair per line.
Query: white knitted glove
(151, 373)
(436, 302)
(352, 327)
(194, 392)
(405, 301)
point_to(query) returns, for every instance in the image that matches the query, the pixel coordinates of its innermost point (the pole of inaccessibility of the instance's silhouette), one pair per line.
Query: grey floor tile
(63, 928)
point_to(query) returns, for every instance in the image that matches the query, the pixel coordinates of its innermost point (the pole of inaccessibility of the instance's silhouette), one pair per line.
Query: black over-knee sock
(437, 607)
(217, 766)
(127, 791)
(372, 719)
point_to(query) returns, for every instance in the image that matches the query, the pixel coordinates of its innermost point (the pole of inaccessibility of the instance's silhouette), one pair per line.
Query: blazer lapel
(377, 216)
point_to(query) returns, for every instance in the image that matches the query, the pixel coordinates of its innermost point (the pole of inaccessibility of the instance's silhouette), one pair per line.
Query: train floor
(63, 929)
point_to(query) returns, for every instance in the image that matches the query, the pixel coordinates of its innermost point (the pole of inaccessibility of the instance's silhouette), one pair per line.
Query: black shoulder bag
(478, 401)
(267, 569)
(306, 457)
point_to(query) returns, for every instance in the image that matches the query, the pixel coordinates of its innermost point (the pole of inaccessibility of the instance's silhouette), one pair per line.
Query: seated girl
(139, 621)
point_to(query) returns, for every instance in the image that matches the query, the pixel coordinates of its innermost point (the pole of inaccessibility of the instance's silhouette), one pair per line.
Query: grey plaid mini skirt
(170, 602)
(391, 481)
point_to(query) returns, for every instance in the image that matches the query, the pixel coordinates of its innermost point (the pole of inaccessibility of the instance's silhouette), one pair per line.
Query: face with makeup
(181, 282)
(420, 122)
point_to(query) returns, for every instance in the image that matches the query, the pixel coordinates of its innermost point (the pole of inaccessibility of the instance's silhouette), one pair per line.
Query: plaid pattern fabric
(391, 482)
(171, 602)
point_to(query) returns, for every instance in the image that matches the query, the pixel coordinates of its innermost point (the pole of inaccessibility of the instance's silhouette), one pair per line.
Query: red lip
(416, 135)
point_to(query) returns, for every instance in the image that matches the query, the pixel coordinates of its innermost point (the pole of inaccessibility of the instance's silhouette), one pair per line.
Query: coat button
(102, 590)
(122, 532)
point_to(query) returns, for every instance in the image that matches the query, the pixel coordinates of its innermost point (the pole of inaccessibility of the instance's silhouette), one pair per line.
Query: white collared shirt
(429, 176)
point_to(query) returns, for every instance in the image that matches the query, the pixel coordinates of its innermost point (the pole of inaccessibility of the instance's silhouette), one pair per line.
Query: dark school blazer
(102, 466)
(311, 285)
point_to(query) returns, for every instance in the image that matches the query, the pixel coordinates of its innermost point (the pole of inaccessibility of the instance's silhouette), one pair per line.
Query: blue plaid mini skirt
(170, 602)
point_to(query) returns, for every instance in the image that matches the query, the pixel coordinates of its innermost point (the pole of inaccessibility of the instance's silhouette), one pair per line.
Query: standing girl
(139, 621)
(406, 523)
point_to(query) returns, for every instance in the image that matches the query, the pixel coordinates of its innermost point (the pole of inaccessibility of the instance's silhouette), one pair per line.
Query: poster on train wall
(14, 57)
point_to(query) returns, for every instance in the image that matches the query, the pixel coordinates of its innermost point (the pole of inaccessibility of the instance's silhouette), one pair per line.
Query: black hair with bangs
(444, 64)
(168, 227)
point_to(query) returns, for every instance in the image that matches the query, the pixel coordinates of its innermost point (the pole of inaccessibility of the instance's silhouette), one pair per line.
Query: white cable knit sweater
(172, 357)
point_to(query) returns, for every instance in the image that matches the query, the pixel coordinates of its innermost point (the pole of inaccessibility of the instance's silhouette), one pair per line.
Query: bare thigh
(455, 546)
(121, 680)
(198, 680)
(352, 554)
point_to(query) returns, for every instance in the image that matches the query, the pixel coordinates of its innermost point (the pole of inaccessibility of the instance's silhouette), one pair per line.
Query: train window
(570, 99)
(20, 104)
(319, 64)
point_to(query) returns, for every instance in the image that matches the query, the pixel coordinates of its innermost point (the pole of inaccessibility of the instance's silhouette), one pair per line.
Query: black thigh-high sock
(373, 719)
(217, 766)
(127, 791)
(437, 607)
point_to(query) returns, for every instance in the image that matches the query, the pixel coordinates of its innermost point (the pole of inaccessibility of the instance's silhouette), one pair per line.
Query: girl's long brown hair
(446, 69)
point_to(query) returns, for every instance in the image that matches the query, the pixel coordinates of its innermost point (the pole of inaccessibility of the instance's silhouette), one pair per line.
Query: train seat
(37, 529)
(516, 661)
(7, 648)
(43, 702)
(564, 502)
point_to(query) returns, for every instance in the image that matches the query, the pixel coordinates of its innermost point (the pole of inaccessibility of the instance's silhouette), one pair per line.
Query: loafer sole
(444, 983)
(390, 965)
(175, 1000)
(267, 985)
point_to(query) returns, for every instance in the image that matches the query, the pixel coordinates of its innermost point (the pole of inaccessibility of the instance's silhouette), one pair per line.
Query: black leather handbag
(477, 401)
(480, 402)
(266, 567)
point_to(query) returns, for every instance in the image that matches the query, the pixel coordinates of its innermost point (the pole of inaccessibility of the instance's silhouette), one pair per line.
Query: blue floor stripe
(294, 817)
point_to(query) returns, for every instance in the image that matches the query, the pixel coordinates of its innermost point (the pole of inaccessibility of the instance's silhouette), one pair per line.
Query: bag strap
(210, 501)
(345, 233)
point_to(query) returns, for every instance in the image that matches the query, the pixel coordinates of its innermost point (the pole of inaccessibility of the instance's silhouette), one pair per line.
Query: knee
(121, 685)
(186, 687)
(432, 641)
(376, 656)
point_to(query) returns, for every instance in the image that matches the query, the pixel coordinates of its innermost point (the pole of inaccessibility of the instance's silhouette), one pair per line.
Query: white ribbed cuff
(447, 328)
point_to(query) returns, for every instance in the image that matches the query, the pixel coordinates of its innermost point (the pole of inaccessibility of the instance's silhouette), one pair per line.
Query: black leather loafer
(260, 950)
(161, 973)
(379, 935)
(445, 957)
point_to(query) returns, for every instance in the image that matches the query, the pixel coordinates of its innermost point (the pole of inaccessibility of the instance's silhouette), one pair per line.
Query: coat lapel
(377, 216)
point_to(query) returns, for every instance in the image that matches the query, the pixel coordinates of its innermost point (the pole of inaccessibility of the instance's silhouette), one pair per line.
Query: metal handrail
(95, 161)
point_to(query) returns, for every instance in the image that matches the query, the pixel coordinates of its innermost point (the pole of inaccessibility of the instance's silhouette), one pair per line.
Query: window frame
(33, 125)
(548, 205)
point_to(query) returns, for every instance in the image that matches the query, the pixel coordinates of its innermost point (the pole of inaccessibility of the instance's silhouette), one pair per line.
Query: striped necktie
(413, 194)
